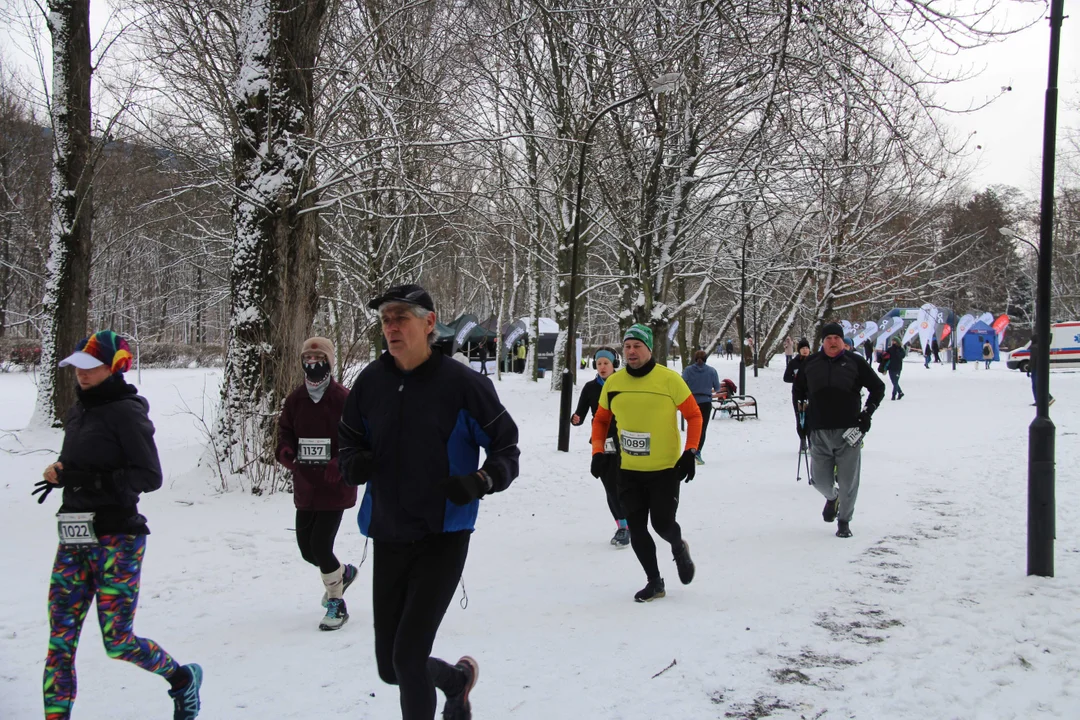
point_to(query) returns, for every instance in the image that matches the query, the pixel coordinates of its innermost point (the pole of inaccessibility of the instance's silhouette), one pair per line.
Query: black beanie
(832, 328)
(803, 343)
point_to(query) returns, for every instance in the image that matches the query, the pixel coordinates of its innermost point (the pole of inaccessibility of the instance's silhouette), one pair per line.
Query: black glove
(686, 467)
(599, 465)
(463, 489)
(360, 468)
(44, 487)
(864, 421)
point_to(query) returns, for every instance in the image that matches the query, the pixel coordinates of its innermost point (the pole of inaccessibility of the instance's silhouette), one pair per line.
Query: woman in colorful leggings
(108, 458)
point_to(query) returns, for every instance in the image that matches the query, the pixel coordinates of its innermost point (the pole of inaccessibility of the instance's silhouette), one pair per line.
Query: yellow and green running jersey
(645, 409)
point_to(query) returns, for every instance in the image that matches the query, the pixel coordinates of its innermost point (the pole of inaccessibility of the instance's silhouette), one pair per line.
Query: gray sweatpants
(828, 449)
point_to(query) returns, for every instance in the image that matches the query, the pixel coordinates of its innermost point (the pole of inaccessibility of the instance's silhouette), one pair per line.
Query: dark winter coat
(792, 371)
(702, 381)
(834, 388)
(589, 400)
(895, 363)
(109, 457)
(315, 487)
(404, 434)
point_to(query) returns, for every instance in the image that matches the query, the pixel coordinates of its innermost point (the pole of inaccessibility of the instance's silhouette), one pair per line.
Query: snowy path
(925, 613)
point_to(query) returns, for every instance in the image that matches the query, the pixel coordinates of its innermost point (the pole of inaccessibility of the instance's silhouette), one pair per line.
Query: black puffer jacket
(834, 388)
(109, 457)
(792, 371)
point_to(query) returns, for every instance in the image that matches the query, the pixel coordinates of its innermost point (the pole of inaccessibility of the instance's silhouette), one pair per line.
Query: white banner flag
(847, 328)
(987, 318)
(868, 331)
(963, 326)
(889, 328)
(910, 333)
(927, 324)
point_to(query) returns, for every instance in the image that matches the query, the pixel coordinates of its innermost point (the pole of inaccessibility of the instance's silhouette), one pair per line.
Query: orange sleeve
(600, 424)
(692, 413)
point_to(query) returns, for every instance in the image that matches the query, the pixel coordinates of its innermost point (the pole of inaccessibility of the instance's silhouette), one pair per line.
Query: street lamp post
(1040, 559)
(663, 84)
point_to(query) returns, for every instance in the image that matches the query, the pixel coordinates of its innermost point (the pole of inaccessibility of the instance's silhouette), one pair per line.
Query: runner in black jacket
(790, 373)
(412, 430)
(832, 381)
(107, 460)
(605, 361)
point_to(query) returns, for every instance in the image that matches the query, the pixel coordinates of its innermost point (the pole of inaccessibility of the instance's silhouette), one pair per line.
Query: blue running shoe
(336, 615)
(186, 699)
(347, 578)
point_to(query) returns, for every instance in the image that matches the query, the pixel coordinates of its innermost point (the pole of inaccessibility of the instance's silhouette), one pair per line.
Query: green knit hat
(640, 332)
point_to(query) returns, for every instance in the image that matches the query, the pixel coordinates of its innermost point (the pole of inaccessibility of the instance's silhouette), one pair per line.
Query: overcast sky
(1009, 131)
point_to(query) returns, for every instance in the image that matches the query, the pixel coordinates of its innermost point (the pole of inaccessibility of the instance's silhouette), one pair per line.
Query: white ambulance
(1064, 348)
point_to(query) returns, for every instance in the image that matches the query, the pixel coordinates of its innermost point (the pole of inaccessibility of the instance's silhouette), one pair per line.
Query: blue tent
(979, 334)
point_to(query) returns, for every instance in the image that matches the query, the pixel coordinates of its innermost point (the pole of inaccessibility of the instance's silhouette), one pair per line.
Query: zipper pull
(401, 386)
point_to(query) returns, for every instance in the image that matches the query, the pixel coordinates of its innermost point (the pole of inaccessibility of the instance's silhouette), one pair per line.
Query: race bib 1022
(76, 528)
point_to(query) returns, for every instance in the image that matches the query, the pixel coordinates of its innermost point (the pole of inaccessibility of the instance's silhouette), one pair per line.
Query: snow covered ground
(925, 613)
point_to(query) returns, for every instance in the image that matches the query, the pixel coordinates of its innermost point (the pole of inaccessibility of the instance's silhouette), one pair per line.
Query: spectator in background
(703, 383)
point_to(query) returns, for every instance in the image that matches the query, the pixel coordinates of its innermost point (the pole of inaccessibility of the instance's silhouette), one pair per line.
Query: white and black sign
(313, 451)
(76, 528)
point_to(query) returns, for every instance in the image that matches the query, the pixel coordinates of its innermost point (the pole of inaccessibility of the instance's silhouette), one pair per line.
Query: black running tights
(412, 585)
(656, 494)
(610, 478)
(316, 531)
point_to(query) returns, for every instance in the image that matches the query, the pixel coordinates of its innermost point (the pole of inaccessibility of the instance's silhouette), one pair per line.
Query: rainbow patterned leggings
(109, 571)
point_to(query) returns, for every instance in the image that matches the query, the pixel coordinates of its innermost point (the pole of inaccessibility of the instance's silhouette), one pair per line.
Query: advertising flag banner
(847, 328)
(868, 332)
(889, 328)
(999, 326)
(987, 318)
(963, 326)
(911, 332)
(927, 321)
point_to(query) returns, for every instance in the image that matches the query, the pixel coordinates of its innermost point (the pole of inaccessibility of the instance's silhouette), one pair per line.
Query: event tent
(977, 335)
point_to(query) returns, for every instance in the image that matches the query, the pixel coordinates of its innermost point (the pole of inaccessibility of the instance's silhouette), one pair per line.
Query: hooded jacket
(702, 381)
(108, 437)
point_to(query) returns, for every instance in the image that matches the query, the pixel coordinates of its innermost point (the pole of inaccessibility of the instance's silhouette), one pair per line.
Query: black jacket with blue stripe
(423, 426)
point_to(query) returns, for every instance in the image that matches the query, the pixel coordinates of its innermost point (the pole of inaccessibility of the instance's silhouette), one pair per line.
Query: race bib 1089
(76, 528)
(635, 443)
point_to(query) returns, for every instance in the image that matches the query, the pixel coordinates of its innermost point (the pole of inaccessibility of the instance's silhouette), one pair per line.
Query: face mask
(316, 372)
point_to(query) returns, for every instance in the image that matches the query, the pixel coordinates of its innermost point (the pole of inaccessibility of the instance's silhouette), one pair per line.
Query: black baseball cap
(411, 294)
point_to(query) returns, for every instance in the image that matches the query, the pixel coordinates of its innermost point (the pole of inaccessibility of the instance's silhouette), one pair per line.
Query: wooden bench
(739, 407)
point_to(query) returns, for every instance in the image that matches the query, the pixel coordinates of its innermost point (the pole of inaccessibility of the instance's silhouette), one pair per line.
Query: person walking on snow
(987, 353)
(895, 364)
(926, 356)
(643, 398)
(789, 350)
(935, 349)
(412, 430)
(308, 446)
(604, 360)
(790, 373)
(108, 458)
(703, 383)
(832, 381)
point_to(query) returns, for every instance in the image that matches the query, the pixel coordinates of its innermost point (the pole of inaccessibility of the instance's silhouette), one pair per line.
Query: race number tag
(76, 528)
(313, 451)
(853, 436)
(609, 446)
(635, 443)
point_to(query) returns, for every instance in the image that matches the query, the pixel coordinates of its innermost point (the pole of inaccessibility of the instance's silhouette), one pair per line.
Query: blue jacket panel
(423, 427)
(702, 381)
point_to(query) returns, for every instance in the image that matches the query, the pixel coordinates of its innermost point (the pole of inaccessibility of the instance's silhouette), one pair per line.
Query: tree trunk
(67, 284)
(275, 256)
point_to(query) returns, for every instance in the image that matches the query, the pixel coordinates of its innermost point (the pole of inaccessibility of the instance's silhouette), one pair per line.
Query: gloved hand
(287, 457)
(686, 467)
(44, 487)
(359, 468)
(864, 422)
(599, 465)
(463, 489)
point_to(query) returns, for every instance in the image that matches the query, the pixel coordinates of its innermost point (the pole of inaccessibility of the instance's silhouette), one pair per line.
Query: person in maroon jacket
(308, 445)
